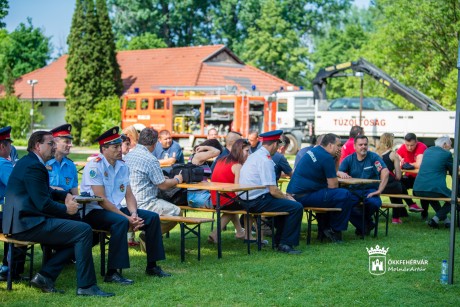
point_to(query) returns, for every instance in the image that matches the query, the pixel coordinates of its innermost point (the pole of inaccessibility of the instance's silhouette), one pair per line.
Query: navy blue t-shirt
(312, 172)
(173, 151)
(300, 154)
(369, 168)
(281, 165)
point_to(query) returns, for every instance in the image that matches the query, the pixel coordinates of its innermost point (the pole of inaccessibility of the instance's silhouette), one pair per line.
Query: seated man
(253, 139)
(367, 165)
(259, 170)
(62, 171)
(107, 176)
(32, 214)
(348, 148)
(146, 177)
(315, 184)
(168, 151)
(304, 150)
(212, 134)
(431, 179)
(6, 167)
(411, 152)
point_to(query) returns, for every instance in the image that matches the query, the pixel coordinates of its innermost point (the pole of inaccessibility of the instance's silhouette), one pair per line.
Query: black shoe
(288, 249)
(334, 236)
(447, 225)
(93, 291)
(44, 283)
(432, 223)
(117, 278)
(156, 271)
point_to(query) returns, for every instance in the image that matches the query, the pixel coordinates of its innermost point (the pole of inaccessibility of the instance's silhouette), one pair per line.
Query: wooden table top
(220, 186)
(350, 181)
(87, 199)
(409, 171)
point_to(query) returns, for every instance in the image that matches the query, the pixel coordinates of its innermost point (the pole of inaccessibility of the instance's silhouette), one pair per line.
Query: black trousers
(69, 238)
(118, 225)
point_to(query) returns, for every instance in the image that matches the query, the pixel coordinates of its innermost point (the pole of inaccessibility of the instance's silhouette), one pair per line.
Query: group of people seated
(127, 174)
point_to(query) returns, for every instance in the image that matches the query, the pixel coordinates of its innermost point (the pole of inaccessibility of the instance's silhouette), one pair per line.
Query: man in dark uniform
(31, 214)
(107, 176)
(259, 170)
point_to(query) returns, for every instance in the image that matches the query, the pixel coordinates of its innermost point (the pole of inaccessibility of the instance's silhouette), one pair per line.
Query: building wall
(54, 113)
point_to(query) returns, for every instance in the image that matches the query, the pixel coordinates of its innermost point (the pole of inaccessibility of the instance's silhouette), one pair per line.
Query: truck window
(159, 104)
(131, 104)
(144, 104)
(282, 105)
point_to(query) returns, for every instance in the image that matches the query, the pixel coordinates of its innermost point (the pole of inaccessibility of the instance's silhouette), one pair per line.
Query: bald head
(231, 138)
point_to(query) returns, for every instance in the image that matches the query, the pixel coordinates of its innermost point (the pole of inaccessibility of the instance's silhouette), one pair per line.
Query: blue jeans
(371, 205)
(199, 199)
(331, 198)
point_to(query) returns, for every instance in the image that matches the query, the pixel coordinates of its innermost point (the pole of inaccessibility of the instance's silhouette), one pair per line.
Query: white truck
(304, 114)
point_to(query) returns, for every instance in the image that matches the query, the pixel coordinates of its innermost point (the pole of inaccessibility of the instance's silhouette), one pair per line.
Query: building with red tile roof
(150, 69)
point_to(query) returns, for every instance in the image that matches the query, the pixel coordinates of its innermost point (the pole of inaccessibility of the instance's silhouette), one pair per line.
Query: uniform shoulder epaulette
(97, 159)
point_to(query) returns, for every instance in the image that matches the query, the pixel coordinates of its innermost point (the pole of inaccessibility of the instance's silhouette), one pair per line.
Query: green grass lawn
(325, 274)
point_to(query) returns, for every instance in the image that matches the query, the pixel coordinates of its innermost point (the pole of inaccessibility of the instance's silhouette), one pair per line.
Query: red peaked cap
(110, 137)
(271, 135)
(5, 133)
(62, 131)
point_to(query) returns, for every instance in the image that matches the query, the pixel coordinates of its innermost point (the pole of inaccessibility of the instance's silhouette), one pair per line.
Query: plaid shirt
(144, 174)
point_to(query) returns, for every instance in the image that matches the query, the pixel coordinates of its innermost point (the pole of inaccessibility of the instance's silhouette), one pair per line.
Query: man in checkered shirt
(146, 177)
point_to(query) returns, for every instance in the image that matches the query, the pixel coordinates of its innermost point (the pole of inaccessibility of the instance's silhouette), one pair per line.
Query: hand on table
(343, 175)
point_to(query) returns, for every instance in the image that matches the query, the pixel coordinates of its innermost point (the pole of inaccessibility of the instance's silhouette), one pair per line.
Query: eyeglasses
(50, 143)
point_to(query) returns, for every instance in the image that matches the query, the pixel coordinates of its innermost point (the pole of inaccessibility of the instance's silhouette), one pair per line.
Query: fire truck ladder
(214, 90)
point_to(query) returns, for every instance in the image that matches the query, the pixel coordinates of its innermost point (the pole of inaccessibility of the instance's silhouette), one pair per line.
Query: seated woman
(394, 185)
(227, 170)
(209, 149)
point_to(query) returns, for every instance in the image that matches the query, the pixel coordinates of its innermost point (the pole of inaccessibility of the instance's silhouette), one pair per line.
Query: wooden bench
(312, 213)
(258, 217)
(445, 199)
(185, 229)
(384, 211)
(29, 252)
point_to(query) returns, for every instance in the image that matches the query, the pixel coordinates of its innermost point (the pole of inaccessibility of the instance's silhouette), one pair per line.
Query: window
(54, 103)
(131, 104)
(159, 104)
(282, 105)
(144, 104)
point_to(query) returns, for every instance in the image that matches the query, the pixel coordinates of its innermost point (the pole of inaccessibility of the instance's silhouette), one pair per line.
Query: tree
(22, 51)
(177, 22)
(144, 41)
(274, 46)
(92, 71)
(3, 12)
(420, 50)
(106, 115)
(15, 113)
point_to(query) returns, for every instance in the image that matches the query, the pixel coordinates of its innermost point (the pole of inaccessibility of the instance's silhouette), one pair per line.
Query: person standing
(62, 171)
(315, 184)
(212, 134)
(31, 213)
(107, 176)
(259, 170)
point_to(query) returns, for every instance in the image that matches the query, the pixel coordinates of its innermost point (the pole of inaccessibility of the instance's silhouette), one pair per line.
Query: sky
(55, 17)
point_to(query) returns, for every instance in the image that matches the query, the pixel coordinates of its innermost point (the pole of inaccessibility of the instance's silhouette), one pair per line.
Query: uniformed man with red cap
(259, 169)
(107, 176)
(62, 171)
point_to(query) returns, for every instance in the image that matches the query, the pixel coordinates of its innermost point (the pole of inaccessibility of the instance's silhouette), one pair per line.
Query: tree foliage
(22, 51)
(15, 113)
(3, 12)
(274, 46)
(93, 73)
(106, 115)
(144, 41)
